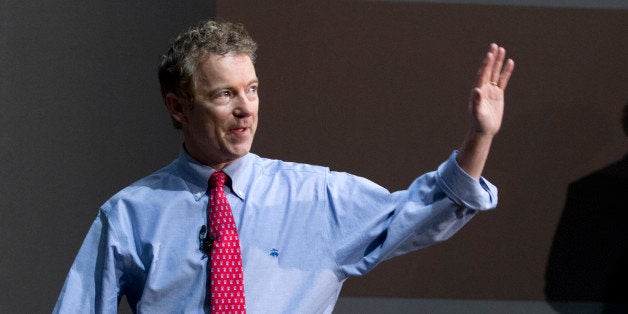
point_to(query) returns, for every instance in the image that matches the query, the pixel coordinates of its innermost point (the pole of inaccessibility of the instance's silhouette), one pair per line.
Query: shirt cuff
(464, 189)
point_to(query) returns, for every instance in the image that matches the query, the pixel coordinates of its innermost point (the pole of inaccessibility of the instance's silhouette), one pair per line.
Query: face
(219, 126)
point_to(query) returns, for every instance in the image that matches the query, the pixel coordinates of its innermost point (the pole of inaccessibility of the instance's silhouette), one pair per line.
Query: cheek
(206, 127)
(213, 120)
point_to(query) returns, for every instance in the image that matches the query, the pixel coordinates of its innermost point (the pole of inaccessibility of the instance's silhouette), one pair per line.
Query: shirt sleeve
(369, 224)
(92, 284)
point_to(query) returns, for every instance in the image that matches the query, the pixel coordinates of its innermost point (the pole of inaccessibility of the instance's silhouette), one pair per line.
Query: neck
(217, 164)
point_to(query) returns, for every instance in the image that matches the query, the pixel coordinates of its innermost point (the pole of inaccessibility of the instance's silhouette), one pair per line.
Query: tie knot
(217, 179)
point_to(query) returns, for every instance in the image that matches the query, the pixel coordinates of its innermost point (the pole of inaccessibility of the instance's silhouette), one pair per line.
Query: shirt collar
(196, 174)
(240, 171)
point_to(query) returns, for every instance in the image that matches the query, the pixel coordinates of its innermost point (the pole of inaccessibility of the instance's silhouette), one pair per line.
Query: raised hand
(486, 109)
(487, 98)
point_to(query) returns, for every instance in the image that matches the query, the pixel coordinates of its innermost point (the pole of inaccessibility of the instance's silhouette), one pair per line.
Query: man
(589, 254)
(302, 229)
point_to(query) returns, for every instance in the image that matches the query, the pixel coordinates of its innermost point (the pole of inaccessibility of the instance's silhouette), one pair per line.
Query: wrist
(479, 136)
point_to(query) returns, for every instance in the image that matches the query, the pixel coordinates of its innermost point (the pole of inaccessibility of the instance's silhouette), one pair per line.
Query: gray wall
(82, 118)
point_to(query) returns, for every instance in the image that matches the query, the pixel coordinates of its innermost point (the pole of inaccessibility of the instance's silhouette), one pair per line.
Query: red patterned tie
(227, 280)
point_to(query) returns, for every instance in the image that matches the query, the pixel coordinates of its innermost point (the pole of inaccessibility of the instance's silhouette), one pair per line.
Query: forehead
(229, 69)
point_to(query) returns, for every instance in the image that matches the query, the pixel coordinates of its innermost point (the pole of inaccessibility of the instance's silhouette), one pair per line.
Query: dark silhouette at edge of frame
(588, 261)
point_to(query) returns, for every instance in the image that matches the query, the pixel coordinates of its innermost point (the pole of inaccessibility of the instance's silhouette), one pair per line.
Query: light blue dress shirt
(303, 229)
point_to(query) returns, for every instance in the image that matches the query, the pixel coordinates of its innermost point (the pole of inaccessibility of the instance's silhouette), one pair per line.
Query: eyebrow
(253, 81)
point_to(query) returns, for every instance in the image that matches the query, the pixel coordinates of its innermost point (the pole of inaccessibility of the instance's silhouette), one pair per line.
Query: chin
(238, 152)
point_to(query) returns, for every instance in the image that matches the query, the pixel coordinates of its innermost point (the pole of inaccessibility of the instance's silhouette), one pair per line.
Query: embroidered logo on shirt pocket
(274, 253)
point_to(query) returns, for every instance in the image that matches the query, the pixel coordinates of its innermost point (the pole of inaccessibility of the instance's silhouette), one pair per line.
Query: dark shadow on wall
(588, 261)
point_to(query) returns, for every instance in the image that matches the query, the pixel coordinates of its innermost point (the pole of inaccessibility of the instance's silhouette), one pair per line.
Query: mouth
(239, 130)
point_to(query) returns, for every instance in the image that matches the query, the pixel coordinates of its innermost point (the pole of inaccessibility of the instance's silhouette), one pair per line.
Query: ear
(175, 106)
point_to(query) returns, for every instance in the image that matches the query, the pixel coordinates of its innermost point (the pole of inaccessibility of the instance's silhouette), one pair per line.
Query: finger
(505, 75)
(484, 72)
(497, 65)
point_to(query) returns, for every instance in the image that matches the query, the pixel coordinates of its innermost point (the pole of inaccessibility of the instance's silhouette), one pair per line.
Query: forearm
(473, 153)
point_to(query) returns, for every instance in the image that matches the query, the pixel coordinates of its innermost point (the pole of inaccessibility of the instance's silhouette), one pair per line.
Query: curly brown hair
(191, 48)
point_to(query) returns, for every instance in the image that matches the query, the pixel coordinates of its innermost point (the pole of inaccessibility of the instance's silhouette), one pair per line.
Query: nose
(244, 106)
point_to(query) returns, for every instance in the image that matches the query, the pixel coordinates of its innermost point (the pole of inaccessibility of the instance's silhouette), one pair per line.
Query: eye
(253, 89)
(223, 94)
